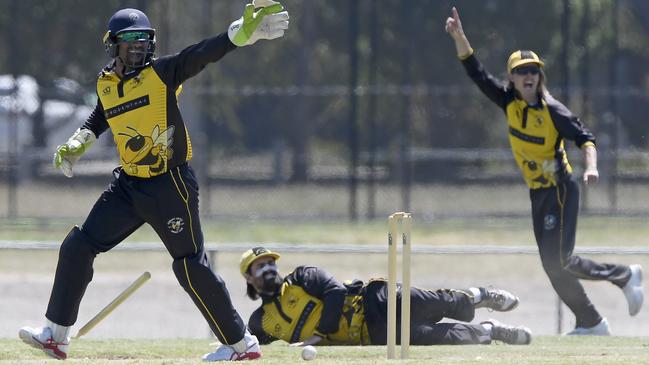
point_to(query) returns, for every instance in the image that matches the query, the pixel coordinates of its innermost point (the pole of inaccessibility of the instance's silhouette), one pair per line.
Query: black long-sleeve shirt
(309, 302)
(142, 108)
(536, 132)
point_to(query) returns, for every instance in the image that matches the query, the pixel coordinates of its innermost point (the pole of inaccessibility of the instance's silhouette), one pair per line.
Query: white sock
(477, 296)
(59, 333)
(242, 345)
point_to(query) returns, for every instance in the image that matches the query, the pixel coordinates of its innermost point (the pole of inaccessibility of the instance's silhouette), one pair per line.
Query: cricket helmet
(523, 57)
(253, 254)
(129, 25)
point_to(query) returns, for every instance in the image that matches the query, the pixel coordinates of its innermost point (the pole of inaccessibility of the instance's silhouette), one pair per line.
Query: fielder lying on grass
(309, 307)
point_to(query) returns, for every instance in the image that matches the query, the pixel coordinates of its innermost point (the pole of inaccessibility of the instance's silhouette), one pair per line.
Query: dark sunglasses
(524, 70)
(133, 36)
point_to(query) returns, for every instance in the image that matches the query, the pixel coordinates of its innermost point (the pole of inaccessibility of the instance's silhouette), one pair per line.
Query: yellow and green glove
(263, 19)
(68, 154)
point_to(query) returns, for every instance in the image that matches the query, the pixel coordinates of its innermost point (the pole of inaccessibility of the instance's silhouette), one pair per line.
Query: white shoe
(633, 290)
(513, 335)
(41, 338)
(250, 350)
(601, 329)
(497, 299)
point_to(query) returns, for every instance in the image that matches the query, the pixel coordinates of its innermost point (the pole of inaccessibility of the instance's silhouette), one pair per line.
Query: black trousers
(554, 215)
(427, 308)
(169, 203)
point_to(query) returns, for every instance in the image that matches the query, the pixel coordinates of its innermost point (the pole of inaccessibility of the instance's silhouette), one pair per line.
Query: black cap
(127, 20)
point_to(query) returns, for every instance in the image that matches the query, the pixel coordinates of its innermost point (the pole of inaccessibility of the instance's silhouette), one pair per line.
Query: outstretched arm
(263, 19)
(455, 30)
(487, 83)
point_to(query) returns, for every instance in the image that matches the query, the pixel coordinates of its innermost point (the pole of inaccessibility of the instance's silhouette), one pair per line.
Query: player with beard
(309, 307)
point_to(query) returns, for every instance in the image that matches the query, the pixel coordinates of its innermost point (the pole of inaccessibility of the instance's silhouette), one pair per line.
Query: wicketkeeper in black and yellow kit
(538, 126)
(138, 101)
(309, 307)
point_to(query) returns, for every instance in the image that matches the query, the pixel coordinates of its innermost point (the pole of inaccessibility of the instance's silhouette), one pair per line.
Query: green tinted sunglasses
(133, 36)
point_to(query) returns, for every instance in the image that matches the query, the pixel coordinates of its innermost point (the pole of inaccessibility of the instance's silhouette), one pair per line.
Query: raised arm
(488, 84)
(175, 69)
(455, 30)
(263, 19)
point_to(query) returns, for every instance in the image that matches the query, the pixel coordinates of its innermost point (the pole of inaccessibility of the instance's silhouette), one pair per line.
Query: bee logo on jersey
(153, 151)
(540, 173)
(176, 225)
(532, 169)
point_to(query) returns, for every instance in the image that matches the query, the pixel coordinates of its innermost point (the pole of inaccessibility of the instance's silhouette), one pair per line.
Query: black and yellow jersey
(536, 132)
(311, 302)
(142, 108)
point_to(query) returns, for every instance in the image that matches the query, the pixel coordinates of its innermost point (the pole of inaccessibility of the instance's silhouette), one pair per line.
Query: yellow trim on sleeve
(465, 56)
(589, 143)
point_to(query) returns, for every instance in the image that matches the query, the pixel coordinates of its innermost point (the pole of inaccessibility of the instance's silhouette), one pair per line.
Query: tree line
(355, 75)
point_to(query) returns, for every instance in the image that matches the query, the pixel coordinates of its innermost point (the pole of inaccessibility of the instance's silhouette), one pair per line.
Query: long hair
(251, 292)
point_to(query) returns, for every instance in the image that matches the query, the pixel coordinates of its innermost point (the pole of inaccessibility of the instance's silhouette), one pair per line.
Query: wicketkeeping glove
(68, 154)
(263, 3)
(263, 19)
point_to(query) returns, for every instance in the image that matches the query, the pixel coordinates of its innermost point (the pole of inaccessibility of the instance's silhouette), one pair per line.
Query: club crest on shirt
(549, 222)
(176, 225)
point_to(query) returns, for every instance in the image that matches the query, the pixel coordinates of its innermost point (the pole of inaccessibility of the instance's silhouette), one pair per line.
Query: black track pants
(427, 308)
(169, 203)
(554, 214)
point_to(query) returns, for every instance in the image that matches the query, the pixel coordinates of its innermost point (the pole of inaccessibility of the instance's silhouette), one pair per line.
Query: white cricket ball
(309, 352)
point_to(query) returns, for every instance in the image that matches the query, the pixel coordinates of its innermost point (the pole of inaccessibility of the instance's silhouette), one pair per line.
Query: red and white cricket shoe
(248, 346)
(41, 338)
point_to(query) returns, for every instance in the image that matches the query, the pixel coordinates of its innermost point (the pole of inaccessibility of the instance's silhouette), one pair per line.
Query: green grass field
(544, 350)
(538, 312)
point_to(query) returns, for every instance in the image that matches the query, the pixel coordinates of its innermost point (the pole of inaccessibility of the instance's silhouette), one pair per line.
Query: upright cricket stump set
(404, 220)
